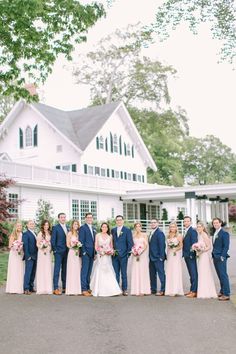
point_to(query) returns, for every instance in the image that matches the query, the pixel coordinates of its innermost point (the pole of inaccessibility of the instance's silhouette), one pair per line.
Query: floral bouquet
(198, 247)
(137, 251)
(44, 244)
(173, 243)
(76, 245)
(108, 250)
(17, 246)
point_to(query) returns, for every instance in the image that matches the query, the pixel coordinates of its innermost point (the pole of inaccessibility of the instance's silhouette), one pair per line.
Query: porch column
(201, 200)
(224, 203)
(191, 206)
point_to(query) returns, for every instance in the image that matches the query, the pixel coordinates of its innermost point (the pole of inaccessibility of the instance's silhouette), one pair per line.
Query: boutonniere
(94, 231)
(216, 236)
(121, 233)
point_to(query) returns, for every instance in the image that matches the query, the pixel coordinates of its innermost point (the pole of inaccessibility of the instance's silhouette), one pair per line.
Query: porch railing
(163, 224)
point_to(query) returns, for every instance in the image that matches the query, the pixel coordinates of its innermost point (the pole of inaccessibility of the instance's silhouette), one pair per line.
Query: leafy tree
(34, 32)
(207, 160)
(232, 212)
(115, 70)
(220, 14)
(44, 212)
(5, 205)
(6, 104)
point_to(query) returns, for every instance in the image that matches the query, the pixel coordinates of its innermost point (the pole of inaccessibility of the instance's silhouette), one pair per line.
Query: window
(58, 167)
(101, 142)
(36, 135)
(74, 167)
(97, 171)
(121, 174)
(117, 174)
(134, 177)
(112, 173)
(153, 211)
(125, 175)
(108, 172)
(85, 169)
(21, 141)
(130, 211)
(90, 170)
(112, 213)
(59, 148)
(128, 150)
(139, 178)
(75, 209)
(87, 206)
(103, 172)
(132, 151)
(129, 176)
(66, 168)
(111, 142)
(120, 145)
(143, 178)
(97, 143)
(13, 197)
(28, 136)
(106, 145)
(115, 143)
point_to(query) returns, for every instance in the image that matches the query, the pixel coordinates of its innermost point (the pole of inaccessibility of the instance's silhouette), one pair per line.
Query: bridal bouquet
(173, 243)
(44, 244)
(108, 250)
(76, 245)
(137, 250)
(17, 246)
(198, 247)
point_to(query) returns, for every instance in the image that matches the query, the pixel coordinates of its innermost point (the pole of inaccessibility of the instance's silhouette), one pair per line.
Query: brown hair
(72, 225)
(42, 227)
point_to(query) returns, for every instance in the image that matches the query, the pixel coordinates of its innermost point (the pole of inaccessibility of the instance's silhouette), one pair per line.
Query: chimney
(31, 88)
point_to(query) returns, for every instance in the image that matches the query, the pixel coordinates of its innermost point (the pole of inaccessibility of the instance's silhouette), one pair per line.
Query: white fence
(163, 224)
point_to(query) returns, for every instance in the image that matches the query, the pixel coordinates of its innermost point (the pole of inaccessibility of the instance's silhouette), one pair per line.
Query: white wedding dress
(103, 279)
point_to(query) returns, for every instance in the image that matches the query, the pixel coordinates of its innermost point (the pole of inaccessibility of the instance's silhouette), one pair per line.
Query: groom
(190, 237)
(220, 255)
(122, 243)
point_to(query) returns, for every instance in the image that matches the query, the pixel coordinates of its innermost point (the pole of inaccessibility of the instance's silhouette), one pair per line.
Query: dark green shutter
(85, 169)
(21, 138)
(97, 142)
(108, 172)
(111, 142)
(132, 150)
(120, 145)
(36, 135)
(74, 167)
(112, 173)
(125, 149)
(106, 144)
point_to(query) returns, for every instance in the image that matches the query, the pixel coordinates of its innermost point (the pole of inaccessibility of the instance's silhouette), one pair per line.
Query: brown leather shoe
(192, 294)
(57, 292)
(27, 292)
(224, 298)
(219, 295)
(125, 293)
(86, 293)
(189, 292)
(160, 293)
(90, 291)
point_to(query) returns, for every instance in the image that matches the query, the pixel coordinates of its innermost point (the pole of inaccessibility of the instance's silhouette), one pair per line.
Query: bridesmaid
(174, 280)
(206, 286)
(44, 263)
(15, 272)
(140, 278)
(73, 285)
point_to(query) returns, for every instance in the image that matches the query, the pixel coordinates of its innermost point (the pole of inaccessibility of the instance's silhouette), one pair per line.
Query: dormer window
(128, 149)
(28, 136)
(101, 142)
(115, 143)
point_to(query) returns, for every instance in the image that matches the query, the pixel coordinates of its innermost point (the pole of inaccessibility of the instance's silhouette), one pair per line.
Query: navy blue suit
(30, 257)
(123, 245)
(220, 255)
(190, 257)
(87, 239)
(58, 242)
(157, 256)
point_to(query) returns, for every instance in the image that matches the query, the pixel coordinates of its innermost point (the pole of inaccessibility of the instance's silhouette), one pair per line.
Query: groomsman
(87, 237)
(157, 256)
(58, 242)
(122, 243)
(190, 237)
(29, 239)
(220, 255)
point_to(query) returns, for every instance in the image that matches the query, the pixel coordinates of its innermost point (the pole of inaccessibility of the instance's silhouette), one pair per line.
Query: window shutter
(132, 151)
(121, 174)
(120, 145)
(74, 167)
(36, 135)
(21, 138)
(85, 169)
(111, 142)
(125, 151)
(108, 172)
(112, 173)
(97, 143)
(106, 144)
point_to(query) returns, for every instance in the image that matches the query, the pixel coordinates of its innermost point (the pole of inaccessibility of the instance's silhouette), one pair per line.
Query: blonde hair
(176, 231)
(72, 226)
(137, 223)
(203, 226)
(14, 231)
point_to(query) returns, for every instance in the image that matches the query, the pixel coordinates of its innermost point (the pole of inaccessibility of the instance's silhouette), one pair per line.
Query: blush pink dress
(15, 272)
(73, 284)
(174, 278)
(44, 268)
(140, 278)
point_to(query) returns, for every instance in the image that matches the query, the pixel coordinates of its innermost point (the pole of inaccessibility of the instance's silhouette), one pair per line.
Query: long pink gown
(174, 279)
(44, 268)
(206, 285)
(15, 272)
(73, 284)
(140, 278)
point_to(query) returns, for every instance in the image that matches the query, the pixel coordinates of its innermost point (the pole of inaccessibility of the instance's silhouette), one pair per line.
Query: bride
(103, 280)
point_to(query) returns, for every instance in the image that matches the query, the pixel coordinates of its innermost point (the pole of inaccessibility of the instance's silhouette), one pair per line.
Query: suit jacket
(58, 239)
(189, 239)
(124, 243)
(29, 246)
(221, 245)
(87, 240)
(157, 246)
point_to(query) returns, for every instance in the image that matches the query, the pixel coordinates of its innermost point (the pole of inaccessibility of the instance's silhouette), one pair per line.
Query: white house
(92, 159)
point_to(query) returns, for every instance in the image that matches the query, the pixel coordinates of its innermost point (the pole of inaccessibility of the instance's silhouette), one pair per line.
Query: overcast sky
(204, 88)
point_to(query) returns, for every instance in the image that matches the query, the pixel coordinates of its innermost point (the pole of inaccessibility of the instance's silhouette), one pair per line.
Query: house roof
(80, 126)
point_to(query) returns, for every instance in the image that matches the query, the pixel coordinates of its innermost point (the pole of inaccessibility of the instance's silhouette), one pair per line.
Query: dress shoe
(33, 291)
(27, 292)
(90, 291)
(160, 293)
(224, 298)
(191, 294)
(63, 291)
(56, 292)
(125, 293)
(86, 293)
(219, 295)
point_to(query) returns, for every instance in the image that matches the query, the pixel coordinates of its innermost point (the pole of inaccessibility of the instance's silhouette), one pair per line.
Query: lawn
(3, 267)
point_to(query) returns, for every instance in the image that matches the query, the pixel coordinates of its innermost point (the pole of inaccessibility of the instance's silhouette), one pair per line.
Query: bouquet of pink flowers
(17, 246)
(108, 250)
(44, 244)
(173, 243)
(137, 250)
(198, 247)
(76, 245)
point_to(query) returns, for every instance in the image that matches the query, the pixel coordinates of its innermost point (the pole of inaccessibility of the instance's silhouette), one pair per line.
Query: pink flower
(17, 246)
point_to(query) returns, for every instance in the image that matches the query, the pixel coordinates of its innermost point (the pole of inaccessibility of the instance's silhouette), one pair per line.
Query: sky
(202, 86)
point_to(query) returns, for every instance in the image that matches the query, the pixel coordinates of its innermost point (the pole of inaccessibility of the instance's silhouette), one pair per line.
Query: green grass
(3, 267)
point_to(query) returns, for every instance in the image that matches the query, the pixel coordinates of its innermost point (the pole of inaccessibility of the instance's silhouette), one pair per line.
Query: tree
(6, 104)
(220, 14)
(44, 212)
(5, 205)
(180, 215)
(116, 70)
(207, 160)
(33, 33)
